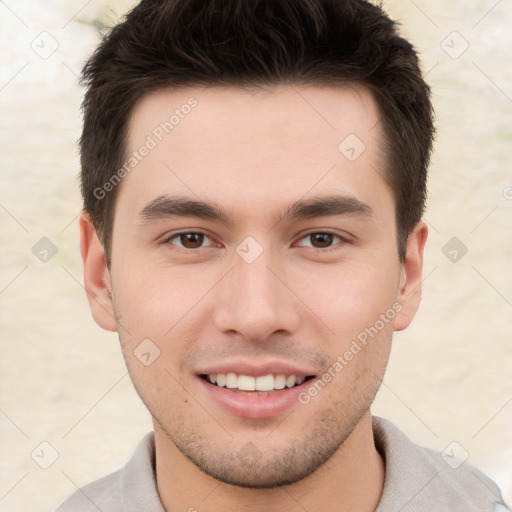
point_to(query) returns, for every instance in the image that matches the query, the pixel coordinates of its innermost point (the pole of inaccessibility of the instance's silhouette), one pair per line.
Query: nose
(255, 301)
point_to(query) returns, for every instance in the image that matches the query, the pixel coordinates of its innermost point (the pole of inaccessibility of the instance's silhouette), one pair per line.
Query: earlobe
(411, 276)
(96, 275)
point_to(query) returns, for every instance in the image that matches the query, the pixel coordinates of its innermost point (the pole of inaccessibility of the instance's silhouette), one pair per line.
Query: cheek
(350, 297)
(156, 300)
(348, 386)
(164, 311)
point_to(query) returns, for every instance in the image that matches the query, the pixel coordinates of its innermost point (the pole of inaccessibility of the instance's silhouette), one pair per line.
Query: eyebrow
(327, 206)
(171, 206)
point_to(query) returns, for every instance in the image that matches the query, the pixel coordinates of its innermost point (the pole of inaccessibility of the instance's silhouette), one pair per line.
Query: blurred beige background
(63, 379)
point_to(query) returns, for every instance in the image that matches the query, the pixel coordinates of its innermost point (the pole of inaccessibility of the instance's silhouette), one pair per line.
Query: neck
(352, 479)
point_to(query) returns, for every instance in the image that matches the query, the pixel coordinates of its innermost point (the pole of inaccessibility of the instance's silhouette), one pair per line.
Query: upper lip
(254, 369)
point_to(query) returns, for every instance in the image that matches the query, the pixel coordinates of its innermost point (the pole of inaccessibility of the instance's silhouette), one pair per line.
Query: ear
(411, 275)
(96, 275)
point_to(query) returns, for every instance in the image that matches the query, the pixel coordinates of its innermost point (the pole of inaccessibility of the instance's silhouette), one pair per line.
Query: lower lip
(254, 406)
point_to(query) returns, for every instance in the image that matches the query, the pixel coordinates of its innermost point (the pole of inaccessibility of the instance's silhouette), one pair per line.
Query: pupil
(322, 239)
(192, 240)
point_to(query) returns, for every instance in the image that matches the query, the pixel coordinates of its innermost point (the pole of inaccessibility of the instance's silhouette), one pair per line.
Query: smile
(254, 396)
(262, 384)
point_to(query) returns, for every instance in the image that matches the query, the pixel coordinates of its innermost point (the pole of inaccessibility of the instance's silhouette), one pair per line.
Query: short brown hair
(174, 43)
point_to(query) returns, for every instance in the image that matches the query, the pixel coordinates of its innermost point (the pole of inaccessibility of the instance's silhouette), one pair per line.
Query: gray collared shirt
(417, 480)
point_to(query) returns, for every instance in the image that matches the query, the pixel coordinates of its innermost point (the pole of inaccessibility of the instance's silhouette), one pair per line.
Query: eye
(321, 240)
(189, 240)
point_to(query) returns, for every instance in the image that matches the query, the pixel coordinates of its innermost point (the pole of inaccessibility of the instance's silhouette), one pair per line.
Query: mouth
(255, 385)
(254, 389)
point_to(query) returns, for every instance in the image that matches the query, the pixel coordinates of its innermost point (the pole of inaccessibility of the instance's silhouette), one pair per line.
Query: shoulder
(131, 489)
(102, 494)
(420, 479)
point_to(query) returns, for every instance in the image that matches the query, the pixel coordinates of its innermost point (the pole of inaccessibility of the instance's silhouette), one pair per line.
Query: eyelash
(191, 251)
(184, 249)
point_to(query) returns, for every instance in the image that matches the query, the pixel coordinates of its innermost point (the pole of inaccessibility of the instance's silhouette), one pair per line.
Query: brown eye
(321, 240)
(190, 240)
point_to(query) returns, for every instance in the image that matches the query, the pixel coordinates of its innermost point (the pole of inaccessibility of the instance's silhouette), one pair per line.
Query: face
(255, 278)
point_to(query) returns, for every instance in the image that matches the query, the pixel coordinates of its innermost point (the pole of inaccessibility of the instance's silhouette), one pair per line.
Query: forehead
(253, 146)
(255, 114)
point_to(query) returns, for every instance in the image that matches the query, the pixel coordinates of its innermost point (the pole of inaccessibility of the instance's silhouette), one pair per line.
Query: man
(254, 177)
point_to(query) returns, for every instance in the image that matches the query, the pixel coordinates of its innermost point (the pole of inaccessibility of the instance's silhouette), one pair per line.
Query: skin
(253, 153)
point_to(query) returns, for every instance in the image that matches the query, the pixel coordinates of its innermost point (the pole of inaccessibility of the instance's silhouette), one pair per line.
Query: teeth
(265, 383)
(246, 383)
(290, 381)
(249, 383)
(279, 381)
(231, 381)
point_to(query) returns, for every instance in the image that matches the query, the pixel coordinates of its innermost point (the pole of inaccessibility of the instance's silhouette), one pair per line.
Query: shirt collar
(416, 478)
